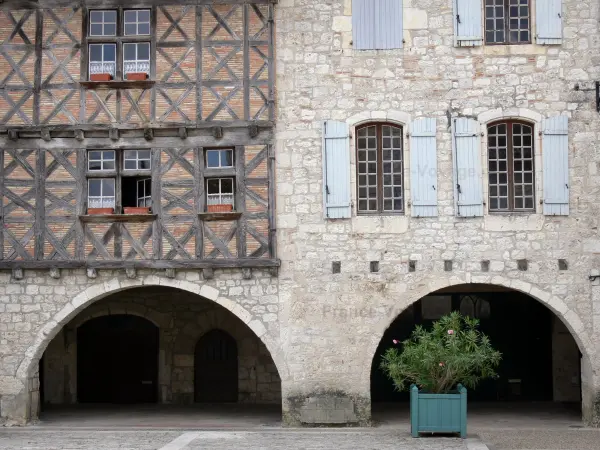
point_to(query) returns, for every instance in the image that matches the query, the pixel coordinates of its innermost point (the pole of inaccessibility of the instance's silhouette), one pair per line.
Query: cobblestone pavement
(584, 439)
(37, 439)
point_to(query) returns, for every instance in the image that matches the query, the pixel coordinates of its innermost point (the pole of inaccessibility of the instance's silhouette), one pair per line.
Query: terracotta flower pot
(100, 211)
(137, 76)
(100, 77)
(136, 210)
(220, 208)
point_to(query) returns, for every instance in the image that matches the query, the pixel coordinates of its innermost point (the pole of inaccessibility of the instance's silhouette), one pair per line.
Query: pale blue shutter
(549, 22)
(423, 168)
(555, 156)
(468, 194)
(376, 24)
(468, 27)
(336, 170)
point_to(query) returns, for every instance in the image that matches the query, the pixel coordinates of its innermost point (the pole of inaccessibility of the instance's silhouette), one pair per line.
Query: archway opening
(117, 360)
(158, 345)
(216, 368)
(541, 362)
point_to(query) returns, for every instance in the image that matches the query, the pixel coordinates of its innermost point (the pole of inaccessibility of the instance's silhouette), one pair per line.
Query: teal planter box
(438, 413)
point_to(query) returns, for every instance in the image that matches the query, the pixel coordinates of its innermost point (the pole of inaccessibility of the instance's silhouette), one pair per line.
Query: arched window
(511, 167)
(379, 156)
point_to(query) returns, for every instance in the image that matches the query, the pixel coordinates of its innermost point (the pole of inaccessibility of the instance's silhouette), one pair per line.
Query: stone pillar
(590, 370)
(15, 401)
(566, 377)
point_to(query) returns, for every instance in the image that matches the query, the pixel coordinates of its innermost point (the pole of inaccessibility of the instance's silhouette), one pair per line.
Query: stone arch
(159, 319)
(100, 290)
(569, 317)
(395, 117)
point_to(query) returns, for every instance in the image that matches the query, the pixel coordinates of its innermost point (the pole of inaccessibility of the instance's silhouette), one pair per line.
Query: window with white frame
(101, 193)
(127, 172)
(507, 22)
(114, 45)
(144, 195)
(136, 159)
(219, 191)
(217, 159)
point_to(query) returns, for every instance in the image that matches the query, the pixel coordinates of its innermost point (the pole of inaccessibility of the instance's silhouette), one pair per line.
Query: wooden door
(216, 368)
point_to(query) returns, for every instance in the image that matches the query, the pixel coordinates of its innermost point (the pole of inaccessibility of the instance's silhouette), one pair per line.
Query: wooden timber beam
(251, 263)
(32, 4)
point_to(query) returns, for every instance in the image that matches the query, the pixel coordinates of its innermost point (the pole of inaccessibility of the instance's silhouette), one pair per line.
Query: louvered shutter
(468, 27)
(423, 168)
(336, 170)
(468, 194)
(549, 22)
(555, 157)
(376, 24)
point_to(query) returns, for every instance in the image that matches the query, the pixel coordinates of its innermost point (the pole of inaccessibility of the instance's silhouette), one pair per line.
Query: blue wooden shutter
(468, 195)
(555, 156)
(376, 24)
(549, 22)
(336, 170)
(468, 27)
(423, 168)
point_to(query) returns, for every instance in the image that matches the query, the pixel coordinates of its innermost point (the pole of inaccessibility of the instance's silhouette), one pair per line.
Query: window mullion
(379, 133)
(511, 166)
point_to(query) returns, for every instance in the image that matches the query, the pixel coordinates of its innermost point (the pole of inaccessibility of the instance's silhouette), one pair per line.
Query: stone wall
(321, 77)
(566, 371)
(182, 318)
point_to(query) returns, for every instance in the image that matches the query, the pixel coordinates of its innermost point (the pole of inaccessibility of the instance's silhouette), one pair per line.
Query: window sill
(132, 84)
(104, 218)
(212, 216)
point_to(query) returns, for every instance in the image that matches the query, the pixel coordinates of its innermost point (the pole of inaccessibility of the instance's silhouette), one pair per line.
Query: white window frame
(103, 22)
(144, 198)
(106, 201)
(219, 151)
(140, 65)
(136, 159)
(218, 198)
(137, 22)
(105, 63)
(102, 160)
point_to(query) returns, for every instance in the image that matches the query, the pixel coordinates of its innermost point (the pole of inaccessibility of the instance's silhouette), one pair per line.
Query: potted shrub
(100, 211)
(220, 207)
(137, 76)
(136, 210)
(100, 77)
(437, 364)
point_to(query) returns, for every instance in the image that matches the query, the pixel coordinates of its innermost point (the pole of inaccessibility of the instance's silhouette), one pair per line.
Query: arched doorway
(117, 360)
(216, 368)
(541, 360)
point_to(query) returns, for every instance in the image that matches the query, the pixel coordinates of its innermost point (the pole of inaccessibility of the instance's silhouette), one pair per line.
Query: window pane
(144, 154)
(110, 16)
(96, 16)
(130, 29)
(212, 158)
(109, 52)
(227, 185)
(129, 51)
(143, 29)
(95, 52)
(96, 29)
(108, 165)
(108, 187)
(94, 188)
(110, 30)
(130, 16)
(129, 164)
(143, 51)
(212, 186)
(227, 158)
(144, 164)
(144, 15)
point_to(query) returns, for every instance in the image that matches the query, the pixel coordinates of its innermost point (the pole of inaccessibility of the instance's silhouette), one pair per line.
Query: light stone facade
(322, 329)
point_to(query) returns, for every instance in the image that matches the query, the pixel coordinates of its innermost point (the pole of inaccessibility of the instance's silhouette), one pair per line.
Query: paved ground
(38, 439)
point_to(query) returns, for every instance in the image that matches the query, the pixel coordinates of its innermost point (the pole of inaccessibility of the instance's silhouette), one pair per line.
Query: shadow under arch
(28, 366)
(554, 303)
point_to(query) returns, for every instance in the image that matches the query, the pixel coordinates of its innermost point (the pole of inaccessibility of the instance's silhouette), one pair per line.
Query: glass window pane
(94, 165)
(94, 188)
(108, 187)
(130, 29)
(144, 29)
(129, 51)
(212, 186)
(144, 164)
(129, 164)
(227, 185)
(144, 15)
(212, 158)
(94, 155)
(227, 158)
(144, 154)
(108, 165)
(130, 16)
(110, 16)
(96, 16)
(143, 50)
(110, 30)
(109, 52)
(95, 29)
(95, 52)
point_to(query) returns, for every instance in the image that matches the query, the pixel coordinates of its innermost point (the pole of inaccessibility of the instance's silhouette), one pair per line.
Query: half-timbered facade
(107, 107)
